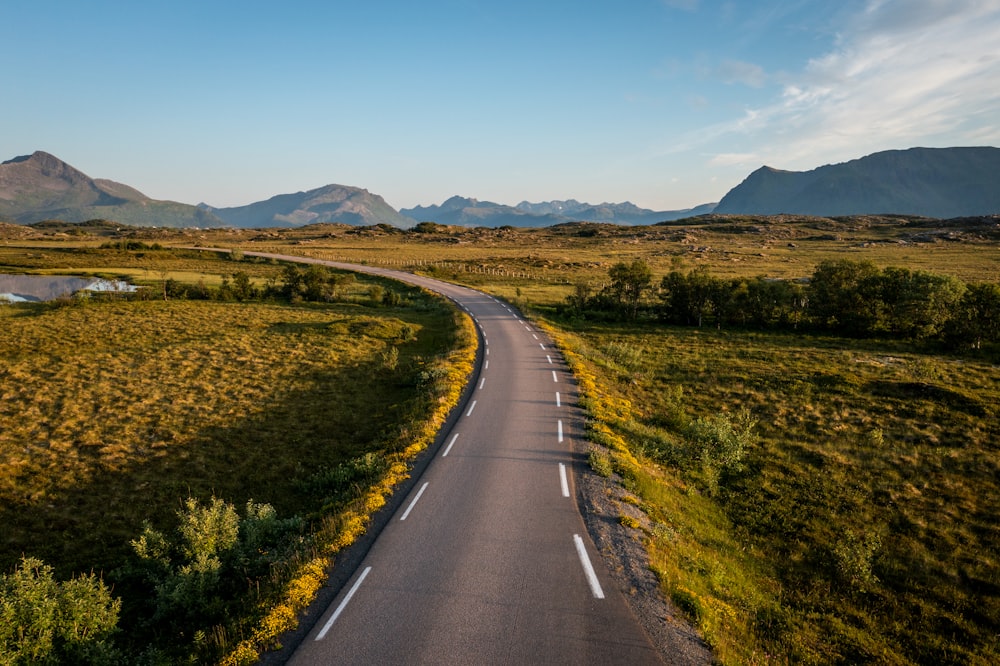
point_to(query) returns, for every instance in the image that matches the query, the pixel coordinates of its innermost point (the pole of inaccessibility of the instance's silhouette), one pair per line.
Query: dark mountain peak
(930, 182)
(19, 159)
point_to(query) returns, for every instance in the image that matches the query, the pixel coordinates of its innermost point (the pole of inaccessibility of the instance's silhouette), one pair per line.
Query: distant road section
(488, 560)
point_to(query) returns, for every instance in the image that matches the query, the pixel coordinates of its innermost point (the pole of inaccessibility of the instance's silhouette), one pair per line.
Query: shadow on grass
(333, 416)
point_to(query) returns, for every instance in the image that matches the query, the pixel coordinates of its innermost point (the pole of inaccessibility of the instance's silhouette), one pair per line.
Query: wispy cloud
(734, 159)
(902, 73)
(737, 71)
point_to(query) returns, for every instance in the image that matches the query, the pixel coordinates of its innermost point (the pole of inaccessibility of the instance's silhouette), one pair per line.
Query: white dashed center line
(563, 481)
(450, 444)
(414, 502)
(588, 568)
(343, 604)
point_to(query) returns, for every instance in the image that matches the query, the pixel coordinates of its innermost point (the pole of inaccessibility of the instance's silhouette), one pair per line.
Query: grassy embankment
(114, 412)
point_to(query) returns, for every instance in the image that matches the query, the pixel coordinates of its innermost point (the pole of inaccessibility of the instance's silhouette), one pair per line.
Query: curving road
(487, 560)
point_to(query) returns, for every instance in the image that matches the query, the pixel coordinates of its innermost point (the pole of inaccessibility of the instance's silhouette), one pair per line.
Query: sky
(664, 103)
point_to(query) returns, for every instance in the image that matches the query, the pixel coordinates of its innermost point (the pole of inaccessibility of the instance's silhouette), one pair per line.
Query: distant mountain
(472, 212)
(616, 213)
(40, 186)
(331, 204)
(930, 182)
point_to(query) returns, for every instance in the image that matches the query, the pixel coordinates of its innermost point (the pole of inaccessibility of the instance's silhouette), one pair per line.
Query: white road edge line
(414, 502)
(588, 568)
(343, 604)
(469, 413)
(450, 444)
(560, 431)
(563, 481)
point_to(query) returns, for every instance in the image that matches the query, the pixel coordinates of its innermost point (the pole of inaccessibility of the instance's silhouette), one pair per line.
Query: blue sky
(666, 103)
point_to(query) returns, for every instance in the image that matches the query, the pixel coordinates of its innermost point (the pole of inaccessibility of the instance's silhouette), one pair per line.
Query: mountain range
(929, 182)
(472, 212)
(40, 187)
(332, 203)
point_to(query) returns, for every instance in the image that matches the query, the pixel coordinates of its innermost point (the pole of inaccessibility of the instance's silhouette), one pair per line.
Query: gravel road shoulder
(602, 502)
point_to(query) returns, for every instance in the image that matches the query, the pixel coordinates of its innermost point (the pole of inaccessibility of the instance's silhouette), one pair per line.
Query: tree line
(852, 298)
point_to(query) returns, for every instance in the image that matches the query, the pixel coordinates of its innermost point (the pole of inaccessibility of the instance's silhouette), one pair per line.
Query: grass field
(113, 412)
(858, 522)
(861, 525)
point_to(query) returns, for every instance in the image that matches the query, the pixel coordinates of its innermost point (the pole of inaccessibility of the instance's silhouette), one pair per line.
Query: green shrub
(600, 462)
(193, 576)
(44, 621)
(854, 556)
(718, 443)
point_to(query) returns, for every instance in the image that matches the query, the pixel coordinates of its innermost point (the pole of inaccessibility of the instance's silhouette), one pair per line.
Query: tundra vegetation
(806, 409)
(203, 448)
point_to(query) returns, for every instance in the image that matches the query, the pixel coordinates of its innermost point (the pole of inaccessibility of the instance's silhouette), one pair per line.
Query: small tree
(628, 283)
(977, 317)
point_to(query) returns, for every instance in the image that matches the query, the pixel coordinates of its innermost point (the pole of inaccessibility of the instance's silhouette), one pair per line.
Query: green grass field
(858, 523)
(861, 526)
(113, 412)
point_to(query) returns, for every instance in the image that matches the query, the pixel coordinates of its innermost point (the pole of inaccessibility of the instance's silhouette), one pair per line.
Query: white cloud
(902, 73)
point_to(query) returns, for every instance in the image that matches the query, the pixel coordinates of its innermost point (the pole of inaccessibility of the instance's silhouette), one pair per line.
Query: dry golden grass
(113, 412)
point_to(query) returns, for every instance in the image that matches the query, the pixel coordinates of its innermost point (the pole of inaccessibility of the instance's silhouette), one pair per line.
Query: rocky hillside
(930, 182)
(40, 186)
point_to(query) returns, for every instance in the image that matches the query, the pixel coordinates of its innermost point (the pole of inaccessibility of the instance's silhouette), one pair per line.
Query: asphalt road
(488, 561)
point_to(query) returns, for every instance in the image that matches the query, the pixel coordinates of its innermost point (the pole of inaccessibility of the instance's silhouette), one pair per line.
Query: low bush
(46, 621)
